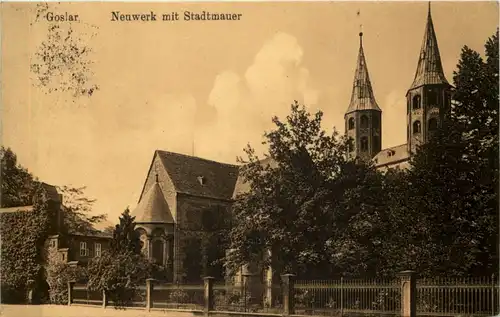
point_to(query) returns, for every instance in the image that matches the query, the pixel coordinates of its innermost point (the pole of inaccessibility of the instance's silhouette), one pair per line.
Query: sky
(209, 88)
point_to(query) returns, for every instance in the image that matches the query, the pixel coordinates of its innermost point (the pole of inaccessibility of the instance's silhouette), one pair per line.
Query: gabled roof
(51, 192)
(362, 97)
(392, 155)
(429, 68)
(242, 186)
(153, 207)
(200, 177)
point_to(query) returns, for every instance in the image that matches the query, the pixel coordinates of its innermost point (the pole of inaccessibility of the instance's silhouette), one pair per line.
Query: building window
(375, 122)
(64, 257)
(158, 251)
(432, 98)
(364, 121)
(83, 249)
(364, 144)
(416, 102)
(53, 243)
(433, 124)
(351, 124)
(97, 249)
(417, 127)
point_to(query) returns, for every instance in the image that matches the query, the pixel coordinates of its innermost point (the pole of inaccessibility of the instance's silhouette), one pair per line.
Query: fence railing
(343, 297)
(453, 297)
(404, 296)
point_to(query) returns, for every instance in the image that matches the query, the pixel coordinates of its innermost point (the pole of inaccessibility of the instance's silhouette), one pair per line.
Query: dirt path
(80, 311)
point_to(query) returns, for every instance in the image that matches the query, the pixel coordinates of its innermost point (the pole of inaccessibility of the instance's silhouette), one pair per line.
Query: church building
(428, 99)
(182, 195)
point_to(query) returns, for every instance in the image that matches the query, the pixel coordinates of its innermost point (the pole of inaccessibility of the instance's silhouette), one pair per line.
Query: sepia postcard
(308, 158)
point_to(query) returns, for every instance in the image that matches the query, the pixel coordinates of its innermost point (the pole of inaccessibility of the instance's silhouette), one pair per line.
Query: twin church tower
(427, 101)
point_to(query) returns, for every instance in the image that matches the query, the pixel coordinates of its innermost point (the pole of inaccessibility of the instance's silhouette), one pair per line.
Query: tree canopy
(121, 268)
(318, 214)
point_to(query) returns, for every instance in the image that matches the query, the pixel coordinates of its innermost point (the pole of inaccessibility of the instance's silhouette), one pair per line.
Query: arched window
(432, 98)
(375, 122)
(376, 143)
(364, 121)
(364, 144)
(158, 251)
(351, 123)
(433, 124)
(416, 102)
(417, 127)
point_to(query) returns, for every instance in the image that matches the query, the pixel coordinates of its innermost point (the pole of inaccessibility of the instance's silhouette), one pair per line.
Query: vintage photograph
(314, 158)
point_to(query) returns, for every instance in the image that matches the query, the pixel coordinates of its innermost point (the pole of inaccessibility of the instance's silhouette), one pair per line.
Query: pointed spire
(429, 69)
(362, 97)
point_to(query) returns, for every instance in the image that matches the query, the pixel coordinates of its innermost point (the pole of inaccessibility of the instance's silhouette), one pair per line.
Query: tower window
(364, 121)
(416, 102)
(432, 98)
(376, 143)
(350, 124)
(417, 128)
(433, 124)
(158, 251)
(364, 144)
(201, 180)
(375, 122)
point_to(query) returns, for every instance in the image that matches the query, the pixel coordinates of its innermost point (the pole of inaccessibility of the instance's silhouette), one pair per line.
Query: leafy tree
(18, 189)
(18, 185)
(77, 209)
(62, 62)
(454, 177)
(296, 206)
(23, 237)
(25, 232)
(125, 238)
(121, 268)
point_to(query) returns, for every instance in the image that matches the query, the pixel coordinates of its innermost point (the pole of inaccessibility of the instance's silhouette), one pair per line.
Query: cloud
(244, 104)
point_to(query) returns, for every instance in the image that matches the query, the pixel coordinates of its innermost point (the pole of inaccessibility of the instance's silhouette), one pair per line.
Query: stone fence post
(208, 294)
(30, 287)
(104, 299)
(71, 284)
(149, 293)
(288, 294)
(408, 293)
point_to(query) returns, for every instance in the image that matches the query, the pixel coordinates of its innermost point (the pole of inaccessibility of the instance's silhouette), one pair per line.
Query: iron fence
(465, 297)
(458, 296)
(248, 298)
(82, 295)
(178, 296)
(348, 297)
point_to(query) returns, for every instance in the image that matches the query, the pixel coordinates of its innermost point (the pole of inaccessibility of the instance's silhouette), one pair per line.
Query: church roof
(200, 177)
(392, 155)
(362, 97)
(242, 186)
(153, 207)
(429, 68)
